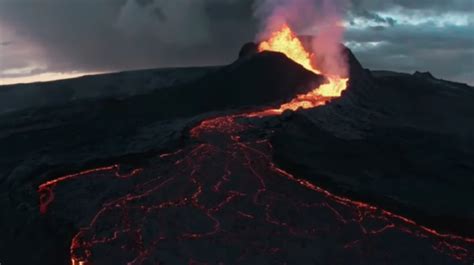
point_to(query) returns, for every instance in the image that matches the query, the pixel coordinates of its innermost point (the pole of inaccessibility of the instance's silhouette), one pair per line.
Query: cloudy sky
(45, 39)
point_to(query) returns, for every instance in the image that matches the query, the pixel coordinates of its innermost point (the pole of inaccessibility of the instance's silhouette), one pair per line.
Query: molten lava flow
(286, 41)
(223, 191)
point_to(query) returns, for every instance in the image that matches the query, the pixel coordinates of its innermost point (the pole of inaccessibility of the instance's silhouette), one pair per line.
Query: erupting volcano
(285, 41)
(221, 199)
(292, 153)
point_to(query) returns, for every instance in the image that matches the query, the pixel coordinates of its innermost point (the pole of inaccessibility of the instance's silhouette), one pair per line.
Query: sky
(53, 39)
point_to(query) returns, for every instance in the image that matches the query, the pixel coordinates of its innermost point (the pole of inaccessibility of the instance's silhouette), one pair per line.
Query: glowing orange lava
(286, 41)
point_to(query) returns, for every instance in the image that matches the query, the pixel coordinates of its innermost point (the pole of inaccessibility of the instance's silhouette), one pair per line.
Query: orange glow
(77, 262)
(286, 41)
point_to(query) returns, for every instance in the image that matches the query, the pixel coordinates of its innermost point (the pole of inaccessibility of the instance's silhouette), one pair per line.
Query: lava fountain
(286, 41)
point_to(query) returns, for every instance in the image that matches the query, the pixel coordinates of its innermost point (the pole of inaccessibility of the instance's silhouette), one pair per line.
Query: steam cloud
(319, 18)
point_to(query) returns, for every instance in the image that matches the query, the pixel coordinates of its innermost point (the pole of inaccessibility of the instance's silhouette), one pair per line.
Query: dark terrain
(231, 189)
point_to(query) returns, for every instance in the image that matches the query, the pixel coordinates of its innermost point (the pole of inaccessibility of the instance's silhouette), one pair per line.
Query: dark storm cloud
(406, 36)
(373, 17)
(447, 53)
(86, 35)
(432, 5)
(6, 43)
(109, 35)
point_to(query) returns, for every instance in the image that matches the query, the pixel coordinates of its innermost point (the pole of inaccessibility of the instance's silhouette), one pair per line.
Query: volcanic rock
(423, 75)
(390, 138)
(248, 49)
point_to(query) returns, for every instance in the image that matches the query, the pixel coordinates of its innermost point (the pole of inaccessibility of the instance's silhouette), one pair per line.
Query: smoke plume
(321, 19)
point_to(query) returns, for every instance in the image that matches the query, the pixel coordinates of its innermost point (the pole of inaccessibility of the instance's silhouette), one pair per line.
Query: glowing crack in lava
(221, 200)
